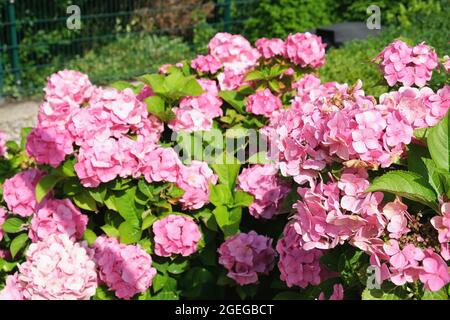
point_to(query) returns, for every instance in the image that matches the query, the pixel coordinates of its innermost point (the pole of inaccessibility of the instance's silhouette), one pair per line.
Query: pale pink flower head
(435, 273)
(194, 180)
(234, 52)
(298, 267)
(446, 64)
(12, 289)
(69, 85)
(56, 216)
(442, 223)
(305, 50)
(126, 269)
(2, 221)
(396, 215)
(198, 113)
(19, 192)
(176, 234)
(160, 164)
(425, 61)
(49, 145)
(338, 293)
(263, 103)
(246, 256)
(206, 64)
(3, 147)
(57, 269)
(230, 80)
(270, 48)
(263, 182)
(56, 112)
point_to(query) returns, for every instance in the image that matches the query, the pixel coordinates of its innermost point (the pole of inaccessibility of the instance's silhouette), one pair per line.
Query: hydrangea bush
(239, 174)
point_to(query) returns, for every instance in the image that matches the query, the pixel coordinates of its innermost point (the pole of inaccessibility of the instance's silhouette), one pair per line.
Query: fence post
(14, 43)
(227, 15)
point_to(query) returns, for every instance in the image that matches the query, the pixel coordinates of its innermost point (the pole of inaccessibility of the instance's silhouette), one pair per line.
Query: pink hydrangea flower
(55, 269)
(176, 234)
(69, 85)
(49, 145)
(146, 92)
(2, 221)
(396, 214)
(442, 223)
(206, 64)
(435, 273)
(159, 164)
(3, 147)
(270, 48)
(298, 267)
(263, 183)
(19, 192)
(234, 52)
(197, 113)
(12, 289)
(446, 64)
(126, 269)
(230, 80)
(401, 63)
(56, 112)
(305, 50)
(338, 293)
(56, 216)
(194, 180)
(246, 256)
(263, 103)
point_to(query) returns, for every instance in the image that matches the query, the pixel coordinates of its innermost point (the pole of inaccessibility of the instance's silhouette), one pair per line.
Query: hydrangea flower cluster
(3, 147)
(442, 225)
(56, 269)
(176, 234)
(246, 256)
(263, 103)
(19, 192)
(270, 48)
(407, 65)
(197, 113)
(2, 220)
(263, 182)
(126, 269)
(305, 50)
(56, 216)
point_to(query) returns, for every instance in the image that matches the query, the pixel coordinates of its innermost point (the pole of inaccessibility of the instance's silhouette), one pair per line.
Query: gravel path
(15, 116)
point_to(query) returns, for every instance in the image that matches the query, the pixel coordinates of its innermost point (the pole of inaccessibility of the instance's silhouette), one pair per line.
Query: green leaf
(13, 225)
(254, 75)
(258, 158)
(129, 233)
(379, 294)
(165, 295)
(110, 231)
(192, 88)
(175, 192)
(405, 184)
(228, 220)
(89, 236)
(146, 188)
(242, 199)
(23, 136)
(102, 293)
(156, 106)
(126, 206)
(7, 266)
(178, 266)
(159, 282)
(227, 172)
(85, 201)
(18, 244)
(436, 295)
(148, 221)
(45, 185)
(439, 143)
(235, 99)
(220, 195)
(155, 81)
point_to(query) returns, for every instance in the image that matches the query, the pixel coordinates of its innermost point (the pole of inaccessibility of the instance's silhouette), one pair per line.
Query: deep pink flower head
(442, 223)
(270, 48)
(246, 256)
(305, 50)
(338, 293)
(19, 192)
(435, 273)
(146, 92)
(262, 182)
(206, 64)
(2, 221)
(12, 289)
(56, 216)
(126, 269)
(234, 52)
(298, 267)
(194, 180)
(176, 234)
(69, 85)
(197, 113)
(3, 147)
(263, 103)
(56, 269)
(49, 145)
(401, 63)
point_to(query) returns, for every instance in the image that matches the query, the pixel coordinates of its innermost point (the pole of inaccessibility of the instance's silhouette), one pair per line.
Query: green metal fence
(117, 39)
